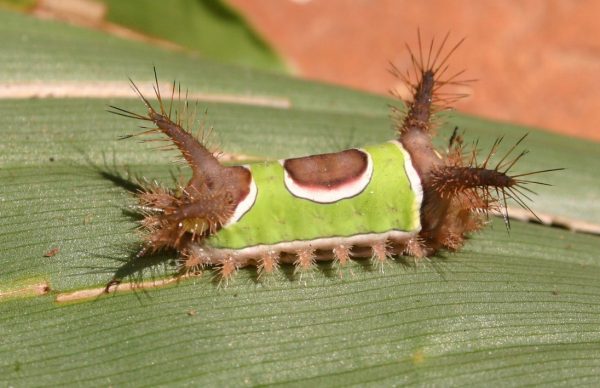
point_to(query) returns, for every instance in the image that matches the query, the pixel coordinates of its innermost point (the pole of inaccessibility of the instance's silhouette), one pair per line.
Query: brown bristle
(191, 263)
(480, 189)
(305, 260)
(227, 269)
(341, 255)
(453, 241)
(450, 180)
(429, 75)
(206, 202)
(415, 247)
(269, 262)
(380, 254)
(419, 110)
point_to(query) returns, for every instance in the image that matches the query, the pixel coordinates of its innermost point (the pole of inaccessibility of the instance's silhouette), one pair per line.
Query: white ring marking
(215, 255)
(334, 194)
(413, 175)
(245, 204)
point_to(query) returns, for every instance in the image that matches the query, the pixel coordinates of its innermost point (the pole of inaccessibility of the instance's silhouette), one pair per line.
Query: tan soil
(537, 61)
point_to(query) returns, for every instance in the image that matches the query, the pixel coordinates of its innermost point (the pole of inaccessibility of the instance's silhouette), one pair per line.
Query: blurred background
(537, 62)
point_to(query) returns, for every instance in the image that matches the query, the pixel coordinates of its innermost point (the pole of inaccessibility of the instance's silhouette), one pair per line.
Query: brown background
(537, 62)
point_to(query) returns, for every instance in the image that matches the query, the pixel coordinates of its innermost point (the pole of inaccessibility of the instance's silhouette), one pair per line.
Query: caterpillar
(402, 197)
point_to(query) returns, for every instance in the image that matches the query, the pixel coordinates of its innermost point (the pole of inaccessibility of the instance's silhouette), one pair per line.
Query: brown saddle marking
(327, 170)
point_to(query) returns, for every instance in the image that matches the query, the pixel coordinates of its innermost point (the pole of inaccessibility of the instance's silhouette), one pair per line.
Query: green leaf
(21, 5)
(210, 27)
(515, 308)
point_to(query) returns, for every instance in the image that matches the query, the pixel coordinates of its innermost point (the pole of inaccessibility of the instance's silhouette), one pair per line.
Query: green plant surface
(510, 308)
(513, 309)
(209, 27)
(19, 5)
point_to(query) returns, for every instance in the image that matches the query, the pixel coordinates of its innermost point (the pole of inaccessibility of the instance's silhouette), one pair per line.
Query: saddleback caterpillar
(402, 197)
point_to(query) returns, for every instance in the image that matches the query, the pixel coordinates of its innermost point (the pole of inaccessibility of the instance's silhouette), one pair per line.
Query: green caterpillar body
(380, 200)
